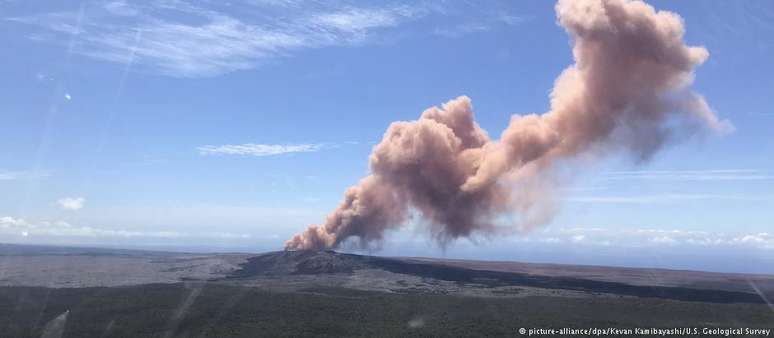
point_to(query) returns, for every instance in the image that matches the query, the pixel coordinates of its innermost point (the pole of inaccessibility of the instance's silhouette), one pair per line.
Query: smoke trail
(627, 91)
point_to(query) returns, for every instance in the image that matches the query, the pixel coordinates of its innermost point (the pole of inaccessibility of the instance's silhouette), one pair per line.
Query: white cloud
(20, 175)
(355, 20)
(212, 42)
(664, 198)
(692, 175)
(71, 203)
(8, 176)
(626, 237)
(47, 229)
(7, 221)
(185, 38)
(762, 239)
(552, 240)
(122, 8)
(663, 240)
(462, 29)
(487, 22)
(259, 149)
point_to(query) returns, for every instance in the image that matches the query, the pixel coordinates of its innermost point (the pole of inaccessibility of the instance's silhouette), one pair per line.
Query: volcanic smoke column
(628, 91)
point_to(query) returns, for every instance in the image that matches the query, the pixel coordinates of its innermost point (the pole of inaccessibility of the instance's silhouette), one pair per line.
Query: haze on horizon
(233, 126)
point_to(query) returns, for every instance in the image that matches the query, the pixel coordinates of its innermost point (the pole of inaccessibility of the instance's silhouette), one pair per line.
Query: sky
(230, 126)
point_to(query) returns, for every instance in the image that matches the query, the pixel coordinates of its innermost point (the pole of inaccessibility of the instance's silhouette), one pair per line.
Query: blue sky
(216, 125)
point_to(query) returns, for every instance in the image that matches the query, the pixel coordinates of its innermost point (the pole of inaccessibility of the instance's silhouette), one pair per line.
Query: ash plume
(628, 91)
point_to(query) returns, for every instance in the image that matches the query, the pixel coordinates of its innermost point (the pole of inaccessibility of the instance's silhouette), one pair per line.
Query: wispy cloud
(760, 240)
(481, 24)
(611, 179)
(462, 29)
(359, 20)
(761, 114)
(664, 198)
(253, 149)
(184, 39)
(651, 237)
(22, 228)
(692, 175)
(22, 175)
(71, 203)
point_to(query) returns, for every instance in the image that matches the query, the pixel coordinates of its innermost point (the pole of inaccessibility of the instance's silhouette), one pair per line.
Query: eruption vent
(627, 91)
